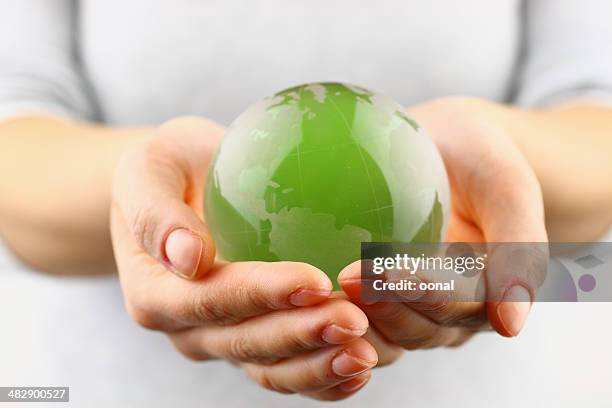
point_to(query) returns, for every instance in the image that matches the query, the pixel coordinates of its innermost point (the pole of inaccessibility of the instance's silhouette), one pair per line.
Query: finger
(514, 214)
(233, 293)
(514, 274)
(446, 308)
(399, 323)
(157, 191)
(317, 370)
(462, 338)
(344, 389)
(276, 335)
(387, 352)
(230, 293)
(408, 328)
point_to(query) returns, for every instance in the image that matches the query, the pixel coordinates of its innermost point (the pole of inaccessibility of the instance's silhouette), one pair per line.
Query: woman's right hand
(275, 320)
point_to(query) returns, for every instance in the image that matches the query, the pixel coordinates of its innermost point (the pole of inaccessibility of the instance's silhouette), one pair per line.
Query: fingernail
(346, 365)
(354, 383)
(184, 251)
(513, 309)
(307, 297)
(334, 334)
(366, 297)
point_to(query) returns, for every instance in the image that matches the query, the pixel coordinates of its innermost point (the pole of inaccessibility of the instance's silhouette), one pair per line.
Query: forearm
(570, 149)
(55, 181)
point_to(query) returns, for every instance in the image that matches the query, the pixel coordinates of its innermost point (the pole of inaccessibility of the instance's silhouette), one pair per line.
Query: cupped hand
(495, 197)
(275, 320)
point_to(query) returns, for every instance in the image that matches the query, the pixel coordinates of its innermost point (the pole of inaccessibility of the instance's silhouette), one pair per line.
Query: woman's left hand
(495, 197)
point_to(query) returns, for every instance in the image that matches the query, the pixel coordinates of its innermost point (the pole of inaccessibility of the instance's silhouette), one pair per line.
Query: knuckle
(388, 313)
(298, 342)
(241, 349)
(144, 316)
(262, 377)
(143, 226)
(189, 343)
(258, 298)
(390, 355)
(207, 311)
(203, 312)
(448, 319)
(439, 306)
(193, 354)
(306, 341)
(207, 305)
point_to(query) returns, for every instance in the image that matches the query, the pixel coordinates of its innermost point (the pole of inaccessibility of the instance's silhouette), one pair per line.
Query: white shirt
(143, 61)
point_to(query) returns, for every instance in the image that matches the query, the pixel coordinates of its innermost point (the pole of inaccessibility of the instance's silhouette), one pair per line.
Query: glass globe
(311, 172)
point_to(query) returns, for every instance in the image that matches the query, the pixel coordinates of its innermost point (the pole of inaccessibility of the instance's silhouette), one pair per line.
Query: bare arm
(570, 149)
(55, 179)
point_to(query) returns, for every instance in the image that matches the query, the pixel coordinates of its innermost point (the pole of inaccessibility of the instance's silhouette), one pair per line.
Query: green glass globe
(311, 172)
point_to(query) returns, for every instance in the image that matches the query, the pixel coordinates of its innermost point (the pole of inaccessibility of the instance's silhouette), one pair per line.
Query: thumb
(515, 272)
(517, 256)
(148, 190)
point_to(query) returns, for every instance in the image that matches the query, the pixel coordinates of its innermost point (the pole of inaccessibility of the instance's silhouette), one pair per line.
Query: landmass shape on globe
(311, 172)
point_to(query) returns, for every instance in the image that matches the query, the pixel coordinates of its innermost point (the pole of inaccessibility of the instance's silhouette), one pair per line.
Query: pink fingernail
(346, 365)
(184, 251)
(334, 334)
(513, 309)
(308, 297)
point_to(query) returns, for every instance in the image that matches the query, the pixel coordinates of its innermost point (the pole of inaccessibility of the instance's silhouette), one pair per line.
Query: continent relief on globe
(311, 172)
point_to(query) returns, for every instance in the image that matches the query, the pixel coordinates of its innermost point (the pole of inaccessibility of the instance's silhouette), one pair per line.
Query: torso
(224, 55)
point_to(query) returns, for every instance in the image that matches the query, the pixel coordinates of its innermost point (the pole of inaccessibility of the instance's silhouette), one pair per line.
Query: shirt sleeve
(567, 52)
(39, 71)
